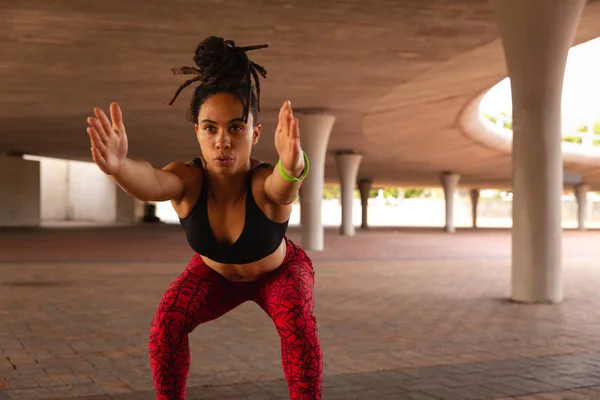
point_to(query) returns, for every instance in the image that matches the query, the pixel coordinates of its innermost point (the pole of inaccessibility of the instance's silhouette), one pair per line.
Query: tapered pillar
(581, 192)
(474, 194)
(449, 183)
(537, 35)
(364, 187)
(315, 129)
(347, 163)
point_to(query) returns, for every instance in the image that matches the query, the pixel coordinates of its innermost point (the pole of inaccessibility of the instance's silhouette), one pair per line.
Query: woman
(235, 213)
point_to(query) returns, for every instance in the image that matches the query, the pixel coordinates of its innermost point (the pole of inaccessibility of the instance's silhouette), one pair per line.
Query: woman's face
(225, 140)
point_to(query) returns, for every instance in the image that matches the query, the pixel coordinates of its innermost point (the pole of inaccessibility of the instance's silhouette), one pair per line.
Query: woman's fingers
(287, 119)
(105, 138)
(103, 119)
(285, 116)
(95, 139)
(294, 131)
(99, 155)
(94, 123)
(282, 111)
(101, 163)
(117, 118)
(291, 120)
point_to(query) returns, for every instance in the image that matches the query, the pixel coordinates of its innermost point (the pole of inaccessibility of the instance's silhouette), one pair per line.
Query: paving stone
(22, 382)
(7, 395)
(32, 394)
(387, 328)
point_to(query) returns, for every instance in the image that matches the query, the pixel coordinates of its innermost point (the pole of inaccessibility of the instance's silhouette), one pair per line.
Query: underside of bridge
(395, 74)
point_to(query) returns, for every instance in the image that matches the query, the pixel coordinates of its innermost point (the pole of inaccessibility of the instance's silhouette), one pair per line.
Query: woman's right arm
(144, 182)
(136, 177)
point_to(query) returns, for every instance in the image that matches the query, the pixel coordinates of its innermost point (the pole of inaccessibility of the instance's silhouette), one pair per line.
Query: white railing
(588, 138)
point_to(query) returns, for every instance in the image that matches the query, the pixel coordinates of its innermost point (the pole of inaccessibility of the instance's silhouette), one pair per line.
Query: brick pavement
(413, 314)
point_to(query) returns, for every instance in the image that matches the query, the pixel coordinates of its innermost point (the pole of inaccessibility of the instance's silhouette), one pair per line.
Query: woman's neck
(228, 188)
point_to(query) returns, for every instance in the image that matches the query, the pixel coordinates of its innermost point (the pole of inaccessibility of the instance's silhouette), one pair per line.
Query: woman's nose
(223, 142)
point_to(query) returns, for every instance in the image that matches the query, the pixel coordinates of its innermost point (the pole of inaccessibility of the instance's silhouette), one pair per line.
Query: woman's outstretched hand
(109, 141)
(287, 141)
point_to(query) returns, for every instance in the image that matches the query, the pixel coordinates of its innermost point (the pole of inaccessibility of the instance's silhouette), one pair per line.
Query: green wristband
(291, 178)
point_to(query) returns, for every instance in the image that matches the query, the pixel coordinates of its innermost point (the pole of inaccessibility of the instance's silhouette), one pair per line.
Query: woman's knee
(296, 322)
(290, 297)
(172, 314)
(169, 323)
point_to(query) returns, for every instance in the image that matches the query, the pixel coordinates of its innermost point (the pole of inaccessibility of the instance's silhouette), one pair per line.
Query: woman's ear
(256, 133)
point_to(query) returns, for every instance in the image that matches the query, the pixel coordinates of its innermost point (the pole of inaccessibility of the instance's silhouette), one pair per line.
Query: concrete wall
(19, 192)
(91, 195)
(54, 189)
(79, 191)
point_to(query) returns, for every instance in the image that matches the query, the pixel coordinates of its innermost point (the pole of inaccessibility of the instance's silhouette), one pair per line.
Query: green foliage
(332, 192)
(390, 192)
(395, 192)
(414, 193)
(584, 128)
(572, 139)
(506, 124)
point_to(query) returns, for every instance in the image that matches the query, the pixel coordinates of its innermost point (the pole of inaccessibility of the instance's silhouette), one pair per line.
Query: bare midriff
(252, 271)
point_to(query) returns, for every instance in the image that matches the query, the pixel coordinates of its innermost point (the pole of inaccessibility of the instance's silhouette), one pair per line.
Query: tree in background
(332, 192)
(400, 192)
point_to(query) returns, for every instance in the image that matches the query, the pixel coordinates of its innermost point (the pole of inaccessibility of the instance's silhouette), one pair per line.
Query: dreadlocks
(221, 66)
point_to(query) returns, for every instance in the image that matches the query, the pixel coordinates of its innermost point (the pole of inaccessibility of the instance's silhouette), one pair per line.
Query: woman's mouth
(223, 160)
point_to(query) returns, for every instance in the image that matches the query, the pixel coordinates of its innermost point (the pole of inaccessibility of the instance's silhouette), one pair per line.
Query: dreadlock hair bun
(210, 49)
(221, 66)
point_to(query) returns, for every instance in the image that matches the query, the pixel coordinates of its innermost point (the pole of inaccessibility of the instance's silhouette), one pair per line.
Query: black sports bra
(260, 236)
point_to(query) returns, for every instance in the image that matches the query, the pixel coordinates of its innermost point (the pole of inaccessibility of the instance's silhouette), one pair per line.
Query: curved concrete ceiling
(442, 128)
(396, 74)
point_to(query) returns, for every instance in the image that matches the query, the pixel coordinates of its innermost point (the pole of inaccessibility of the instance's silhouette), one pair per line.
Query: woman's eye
(236, 128)
(209, 128)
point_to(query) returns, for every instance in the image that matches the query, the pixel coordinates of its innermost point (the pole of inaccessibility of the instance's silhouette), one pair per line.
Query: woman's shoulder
(260, 170)
(256, 165)
(197, 162)
(190, 172)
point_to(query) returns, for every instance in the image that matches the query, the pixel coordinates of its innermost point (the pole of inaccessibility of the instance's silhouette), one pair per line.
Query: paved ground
(403, 314)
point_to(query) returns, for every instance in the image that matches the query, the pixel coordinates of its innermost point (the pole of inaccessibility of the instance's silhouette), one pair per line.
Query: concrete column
(129, 210)
(19, 192)
(537, 35)
(449, 183)
(474, 193)
(347, 163)
(364, 186)
(581, 192)
(315, 129)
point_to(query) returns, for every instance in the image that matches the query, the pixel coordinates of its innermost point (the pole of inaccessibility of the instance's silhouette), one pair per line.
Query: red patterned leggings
(200, 294)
